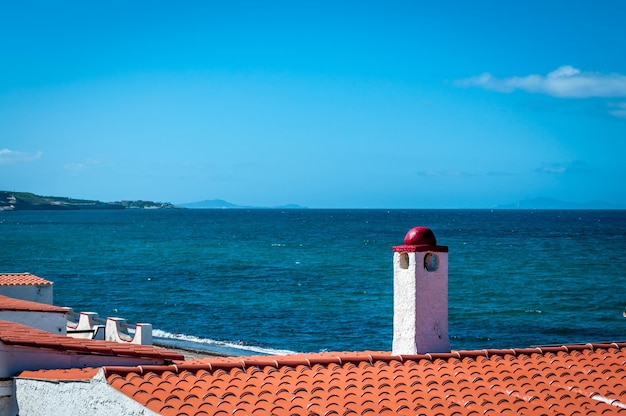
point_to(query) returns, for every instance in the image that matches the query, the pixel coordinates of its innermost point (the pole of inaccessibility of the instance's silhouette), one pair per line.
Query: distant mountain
(550, 203)
(211, 204)
(221, 204)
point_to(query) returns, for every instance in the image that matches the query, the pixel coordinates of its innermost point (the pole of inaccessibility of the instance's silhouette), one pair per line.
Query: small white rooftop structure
(26, 286)
(34, 314)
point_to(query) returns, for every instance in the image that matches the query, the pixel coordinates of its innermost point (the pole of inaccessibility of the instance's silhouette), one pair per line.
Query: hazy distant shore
(26, 201)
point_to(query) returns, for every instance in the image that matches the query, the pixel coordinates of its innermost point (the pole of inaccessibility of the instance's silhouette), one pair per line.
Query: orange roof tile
(61, 374)
(11, 304)
(568, 380)
(12, 333)
(25, 279)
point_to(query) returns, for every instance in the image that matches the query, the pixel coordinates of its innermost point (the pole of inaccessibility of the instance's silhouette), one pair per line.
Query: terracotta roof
(569, 380)
(12, 333)
(11, 304)
(25, 279)
(61, 374)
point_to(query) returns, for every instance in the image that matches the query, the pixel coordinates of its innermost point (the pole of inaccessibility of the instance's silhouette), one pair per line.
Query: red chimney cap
(420, 239)
(420, 236)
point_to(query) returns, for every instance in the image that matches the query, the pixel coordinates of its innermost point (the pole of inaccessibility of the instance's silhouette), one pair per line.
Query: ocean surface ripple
(274, 281)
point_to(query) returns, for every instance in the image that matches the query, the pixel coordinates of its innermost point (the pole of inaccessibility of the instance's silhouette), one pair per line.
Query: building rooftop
(21, 279)
(61, 374)
(15, 334)
(568, 380)
(12, 304)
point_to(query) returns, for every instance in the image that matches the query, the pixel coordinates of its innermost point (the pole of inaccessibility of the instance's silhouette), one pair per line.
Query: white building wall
(34, 293)
(14, 359)
(53, 322)
(93, 397)
(8, 406)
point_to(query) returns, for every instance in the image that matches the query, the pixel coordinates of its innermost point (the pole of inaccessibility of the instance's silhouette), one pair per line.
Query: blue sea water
(273, 281)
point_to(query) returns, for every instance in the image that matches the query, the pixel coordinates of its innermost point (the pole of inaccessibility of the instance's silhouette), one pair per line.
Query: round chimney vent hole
(431, 262)
(404, 261)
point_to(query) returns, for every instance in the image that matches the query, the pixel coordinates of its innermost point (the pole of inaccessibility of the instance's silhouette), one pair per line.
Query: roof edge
(343, 358)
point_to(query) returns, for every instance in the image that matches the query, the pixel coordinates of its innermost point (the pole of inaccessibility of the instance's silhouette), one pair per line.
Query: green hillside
(20, 201)
(15, 201)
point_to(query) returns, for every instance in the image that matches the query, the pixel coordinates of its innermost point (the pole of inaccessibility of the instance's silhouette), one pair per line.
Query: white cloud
(8, 156)
(620, 111)
(576, 166)
(74, 166)
(555, 168)
(444, 173)
(564, 82)
(82, 165)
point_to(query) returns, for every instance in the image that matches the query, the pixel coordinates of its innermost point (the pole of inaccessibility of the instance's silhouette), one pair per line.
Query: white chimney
(420, 295)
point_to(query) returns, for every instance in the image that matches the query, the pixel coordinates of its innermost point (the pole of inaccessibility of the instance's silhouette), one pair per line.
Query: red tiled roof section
(11, 304)
(573, 380)
(23, 279)
(12, 333)
(61, 374)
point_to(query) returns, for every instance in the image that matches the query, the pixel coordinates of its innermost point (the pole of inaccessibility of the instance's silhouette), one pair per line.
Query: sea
(272, 281)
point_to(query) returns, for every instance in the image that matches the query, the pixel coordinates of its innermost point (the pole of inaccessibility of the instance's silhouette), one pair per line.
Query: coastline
(189, 353)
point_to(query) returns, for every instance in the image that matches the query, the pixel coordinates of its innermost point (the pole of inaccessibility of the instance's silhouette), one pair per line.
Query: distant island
(26, 201)
(221, 204)
(21, 201)
(551, 203)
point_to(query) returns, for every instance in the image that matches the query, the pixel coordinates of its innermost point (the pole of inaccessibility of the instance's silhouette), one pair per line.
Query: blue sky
(325, 104)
